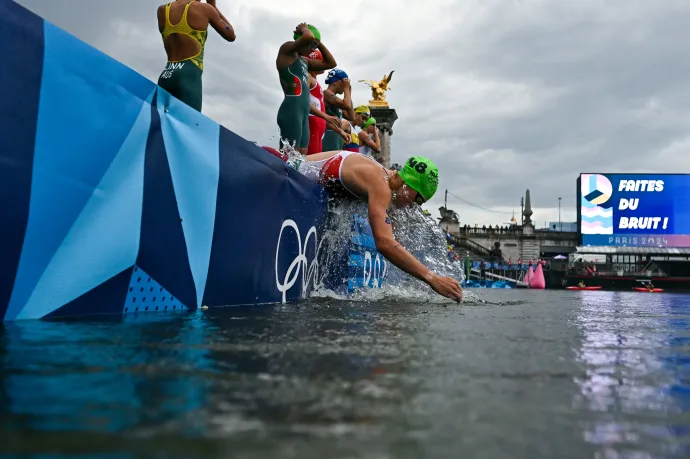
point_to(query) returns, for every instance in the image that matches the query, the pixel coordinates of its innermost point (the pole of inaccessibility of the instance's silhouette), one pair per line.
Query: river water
(519, 374)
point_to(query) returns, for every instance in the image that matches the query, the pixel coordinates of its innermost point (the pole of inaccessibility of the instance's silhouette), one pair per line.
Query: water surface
(529, 374)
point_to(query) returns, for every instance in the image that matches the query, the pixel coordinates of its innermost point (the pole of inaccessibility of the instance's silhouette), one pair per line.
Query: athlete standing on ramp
(293, 65)
(338, 83)
(318, 119)
(344, 172)
(184, 27)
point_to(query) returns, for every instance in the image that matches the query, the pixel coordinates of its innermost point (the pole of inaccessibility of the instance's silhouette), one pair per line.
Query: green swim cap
(420, 174)
(313, 29)
(369, 122)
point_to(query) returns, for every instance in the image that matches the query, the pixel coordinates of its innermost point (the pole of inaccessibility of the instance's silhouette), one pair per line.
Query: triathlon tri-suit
(328, 172)
(317, 126)
(182, 78)
(353, 143)
(331, 139)
(293, 114)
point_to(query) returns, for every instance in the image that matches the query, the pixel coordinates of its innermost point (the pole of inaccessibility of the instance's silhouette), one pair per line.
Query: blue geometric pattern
(192, 146)
(114, 207)
(105, 179)
(145, 294)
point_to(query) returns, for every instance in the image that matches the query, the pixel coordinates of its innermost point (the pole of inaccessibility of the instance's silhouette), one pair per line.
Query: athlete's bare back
(200, 15)
(360, 174)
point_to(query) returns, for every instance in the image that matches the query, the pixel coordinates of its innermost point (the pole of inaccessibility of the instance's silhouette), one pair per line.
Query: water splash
(415, 231)
(289, 149)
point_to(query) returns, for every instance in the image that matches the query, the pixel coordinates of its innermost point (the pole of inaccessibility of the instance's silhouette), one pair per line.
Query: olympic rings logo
(299, 264)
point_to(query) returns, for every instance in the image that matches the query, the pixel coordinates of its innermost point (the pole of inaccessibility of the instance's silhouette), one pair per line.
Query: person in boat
(581, 284)
(293, 64)
(183, 24)
(346, 173)
(318, 118)
(650, 286)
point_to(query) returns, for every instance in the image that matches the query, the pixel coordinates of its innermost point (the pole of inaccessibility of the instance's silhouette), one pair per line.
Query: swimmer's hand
(301, 28)
(445, 286)
(334, 120)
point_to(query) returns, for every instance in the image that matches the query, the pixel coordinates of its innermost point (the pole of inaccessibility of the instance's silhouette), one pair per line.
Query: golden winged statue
(378, 90)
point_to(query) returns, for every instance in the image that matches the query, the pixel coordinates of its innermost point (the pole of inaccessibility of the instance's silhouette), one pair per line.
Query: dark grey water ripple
(520, 374)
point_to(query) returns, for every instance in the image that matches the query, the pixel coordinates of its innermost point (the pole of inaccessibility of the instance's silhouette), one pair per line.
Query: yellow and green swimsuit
(182, 78)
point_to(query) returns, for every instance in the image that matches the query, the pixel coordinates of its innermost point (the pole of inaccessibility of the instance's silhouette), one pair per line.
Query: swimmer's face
(340, 87)
(310, 50)
(406, 196)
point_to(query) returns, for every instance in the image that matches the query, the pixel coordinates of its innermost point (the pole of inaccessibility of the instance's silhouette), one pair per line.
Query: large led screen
(634, 210)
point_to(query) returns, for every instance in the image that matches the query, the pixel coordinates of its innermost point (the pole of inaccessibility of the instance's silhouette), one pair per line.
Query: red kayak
(644, 289)
(575, 287)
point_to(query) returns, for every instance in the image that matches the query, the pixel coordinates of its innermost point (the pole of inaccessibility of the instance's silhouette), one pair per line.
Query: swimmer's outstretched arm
(379, 200)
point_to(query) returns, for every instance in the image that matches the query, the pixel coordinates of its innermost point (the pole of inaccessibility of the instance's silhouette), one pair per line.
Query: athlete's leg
(304, 141)
(289, 123)
(315, 136)
(276, 153)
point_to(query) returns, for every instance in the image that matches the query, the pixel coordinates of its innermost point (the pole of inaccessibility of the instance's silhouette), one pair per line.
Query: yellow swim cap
(363, 109)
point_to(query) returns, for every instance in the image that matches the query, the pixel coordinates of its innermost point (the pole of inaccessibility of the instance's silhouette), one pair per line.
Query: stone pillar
(385, 118)
(528, 209)
(529, 245)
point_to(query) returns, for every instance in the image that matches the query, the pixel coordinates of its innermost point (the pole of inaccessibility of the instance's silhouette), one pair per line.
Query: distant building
(566, 227)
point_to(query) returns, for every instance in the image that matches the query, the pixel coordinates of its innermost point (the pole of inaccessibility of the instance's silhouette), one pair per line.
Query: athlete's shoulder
(203, 8)
(160, 15)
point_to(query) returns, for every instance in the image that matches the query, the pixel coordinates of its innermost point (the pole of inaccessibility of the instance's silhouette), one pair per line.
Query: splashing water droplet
(418, 233)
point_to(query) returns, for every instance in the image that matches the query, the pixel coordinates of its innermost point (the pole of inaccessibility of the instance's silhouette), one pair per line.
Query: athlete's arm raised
(349, 111)
(287, 51)
(328, 61)
(218, 21)
(332, 99)
(379, 200)
(373, 144)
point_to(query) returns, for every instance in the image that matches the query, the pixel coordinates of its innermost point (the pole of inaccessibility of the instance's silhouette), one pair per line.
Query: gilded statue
(378, 90)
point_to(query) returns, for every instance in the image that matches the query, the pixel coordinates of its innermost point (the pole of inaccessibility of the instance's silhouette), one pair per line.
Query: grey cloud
(594, 86)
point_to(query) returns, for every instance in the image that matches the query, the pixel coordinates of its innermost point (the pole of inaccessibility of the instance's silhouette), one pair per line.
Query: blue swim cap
(335, 75)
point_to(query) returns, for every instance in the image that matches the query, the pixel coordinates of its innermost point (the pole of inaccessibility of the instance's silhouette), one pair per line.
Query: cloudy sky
(503, 94)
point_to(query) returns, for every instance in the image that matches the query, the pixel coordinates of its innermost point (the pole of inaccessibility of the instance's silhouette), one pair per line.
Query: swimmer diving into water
(184, 27)
(349, 173)
(293, 64)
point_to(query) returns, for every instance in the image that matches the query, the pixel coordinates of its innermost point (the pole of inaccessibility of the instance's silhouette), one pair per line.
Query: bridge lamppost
(560, 226)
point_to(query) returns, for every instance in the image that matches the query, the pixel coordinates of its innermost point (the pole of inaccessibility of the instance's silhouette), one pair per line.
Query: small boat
(577, 287)
(645, 289)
